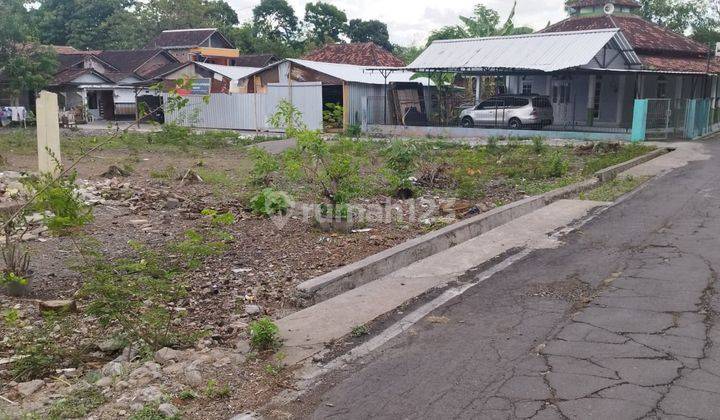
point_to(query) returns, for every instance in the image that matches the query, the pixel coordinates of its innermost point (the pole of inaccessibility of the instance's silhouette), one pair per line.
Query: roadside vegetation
(612, 190)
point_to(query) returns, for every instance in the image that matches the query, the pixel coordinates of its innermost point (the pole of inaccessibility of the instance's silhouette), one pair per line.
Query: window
(519, 102)
(92, 98)
(596, 101)
(526, 88)
(555, 94)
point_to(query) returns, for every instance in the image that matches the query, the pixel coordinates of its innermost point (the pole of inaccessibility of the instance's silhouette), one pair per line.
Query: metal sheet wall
(251, 111)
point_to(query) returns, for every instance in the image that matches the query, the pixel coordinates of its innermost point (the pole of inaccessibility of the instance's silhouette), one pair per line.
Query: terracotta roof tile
(359, 54)
(644, 36)
(256, 60)
(680, 64)
(128, 60)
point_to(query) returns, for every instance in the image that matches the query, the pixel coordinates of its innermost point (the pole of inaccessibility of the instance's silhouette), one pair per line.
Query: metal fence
(251, 111)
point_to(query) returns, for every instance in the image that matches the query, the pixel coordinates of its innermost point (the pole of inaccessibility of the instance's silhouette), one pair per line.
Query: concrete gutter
(381, 264)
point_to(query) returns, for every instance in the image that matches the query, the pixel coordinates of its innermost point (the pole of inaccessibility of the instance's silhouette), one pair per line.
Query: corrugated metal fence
(251, 111)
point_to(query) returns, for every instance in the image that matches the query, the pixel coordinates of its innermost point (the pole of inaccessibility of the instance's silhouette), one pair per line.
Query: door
(487, 112)
(562, 102)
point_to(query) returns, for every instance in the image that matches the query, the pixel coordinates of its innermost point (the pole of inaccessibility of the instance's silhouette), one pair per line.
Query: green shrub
(171, 134)
(219, 219)
(61, 198)
(215, 390)
(264, 335)
(264, 165)
(288, 118)
(269, 202)
(197, 246)
(538, 144)
(353, 130)
(492, 144)
(333, 115)
(556, 166)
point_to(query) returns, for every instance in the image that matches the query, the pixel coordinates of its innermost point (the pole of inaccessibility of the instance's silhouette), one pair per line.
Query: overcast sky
(410, 21)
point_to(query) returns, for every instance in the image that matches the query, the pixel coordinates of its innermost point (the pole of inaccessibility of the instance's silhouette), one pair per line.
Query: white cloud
(410, 22)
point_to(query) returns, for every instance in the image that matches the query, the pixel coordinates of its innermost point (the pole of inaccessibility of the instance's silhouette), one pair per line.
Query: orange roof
(359, 54)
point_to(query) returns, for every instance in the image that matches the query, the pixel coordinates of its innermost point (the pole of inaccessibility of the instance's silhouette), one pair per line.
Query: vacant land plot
(194, 236)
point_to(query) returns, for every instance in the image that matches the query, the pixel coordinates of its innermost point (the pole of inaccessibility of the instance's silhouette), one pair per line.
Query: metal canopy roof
(542, 52)
(358, 74)
(232, 72)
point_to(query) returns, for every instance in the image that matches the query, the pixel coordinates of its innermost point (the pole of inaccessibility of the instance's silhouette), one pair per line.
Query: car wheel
(515, 124)
(467, 122)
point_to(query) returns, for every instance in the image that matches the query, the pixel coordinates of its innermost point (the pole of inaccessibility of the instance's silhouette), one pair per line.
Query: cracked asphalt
(617, 323)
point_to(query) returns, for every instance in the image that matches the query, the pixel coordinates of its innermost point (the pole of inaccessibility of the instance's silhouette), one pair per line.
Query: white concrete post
(48, 133)
(478, 89)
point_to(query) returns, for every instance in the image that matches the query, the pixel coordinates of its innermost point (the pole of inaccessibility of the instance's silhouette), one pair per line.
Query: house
(350, 86)
(218, 78)
(592, 67)
(207, 45)
(104, 82)
(359, 54)
(256, 60)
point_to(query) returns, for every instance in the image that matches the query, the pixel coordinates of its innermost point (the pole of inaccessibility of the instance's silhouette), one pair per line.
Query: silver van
(512, 111)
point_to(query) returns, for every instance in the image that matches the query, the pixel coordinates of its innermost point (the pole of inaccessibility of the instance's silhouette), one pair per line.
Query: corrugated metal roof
(544, 52)
(358, 74)
(233, 72)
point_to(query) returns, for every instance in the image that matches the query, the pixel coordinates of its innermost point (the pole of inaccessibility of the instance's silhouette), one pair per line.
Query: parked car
(512, 111)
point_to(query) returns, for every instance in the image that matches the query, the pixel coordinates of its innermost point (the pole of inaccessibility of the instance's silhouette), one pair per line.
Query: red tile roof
(680, 64)
(644, 36)
(359, 54)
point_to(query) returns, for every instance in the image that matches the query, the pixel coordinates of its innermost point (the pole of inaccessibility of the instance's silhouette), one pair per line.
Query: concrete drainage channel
(371, 268)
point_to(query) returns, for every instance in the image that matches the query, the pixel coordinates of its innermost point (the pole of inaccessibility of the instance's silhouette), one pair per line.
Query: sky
(411, 21)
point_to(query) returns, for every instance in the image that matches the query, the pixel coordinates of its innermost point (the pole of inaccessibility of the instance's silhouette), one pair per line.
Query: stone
(62, 306)
(150, 394)
(136, 406)
(139, 222)
(114, 369)
(28, 388)
(166, 355)
(243, 347)
(193, 378)
(104, 382)
(168, 410)
(171, 204)
(111, 345)
(253, 310)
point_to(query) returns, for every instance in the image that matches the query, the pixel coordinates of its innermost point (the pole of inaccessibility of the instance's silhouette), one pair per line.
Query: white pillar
(48, 133)
(478, 89)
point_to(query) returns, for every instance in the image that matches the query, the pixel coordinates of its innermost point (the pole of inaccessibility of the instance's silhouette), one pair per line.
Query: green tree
(484, 22)
(76, 22)
(706, 29)
(369, 31)
(275, 19)
(407, 54)
(675, 15)
(326, 22)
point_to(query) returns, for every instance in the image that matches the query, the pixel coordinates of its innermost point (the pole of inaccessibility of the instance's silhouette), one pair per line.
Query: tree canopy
(326, 22)
(483, 23)
(369, 31)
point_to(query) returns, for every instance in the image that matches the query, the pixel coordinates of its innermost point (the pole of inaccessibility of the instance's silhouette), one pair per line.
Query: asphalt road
(618, 323)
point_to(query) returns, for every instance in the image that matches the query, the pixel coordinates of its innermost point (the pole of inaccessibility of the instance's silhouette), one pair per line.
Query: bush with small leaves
(61, 199)
(269, 202)
(264, 335)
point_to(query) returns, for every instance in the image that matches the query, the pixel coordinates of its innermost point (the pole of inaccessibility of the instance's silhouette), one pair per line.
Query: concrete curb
(375, 266)
(608, 174)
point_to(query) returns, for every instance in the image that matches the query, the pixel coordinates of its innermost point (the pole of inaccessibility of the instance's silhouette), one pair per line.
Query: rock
(171, 204)
(104, 382)
(115, 172)
(149, 395)
(168, 410)
(111, 345)
(193, 378)
(58, 306)
(114, 368)
(243, 347)
(253, 310)
(139, 222)
(166, 355)
(28, 388)
(136, 407)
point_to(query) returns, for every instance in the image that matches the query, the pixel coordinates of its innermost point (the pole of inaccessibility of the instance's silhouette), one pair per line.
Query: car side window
(482, 105)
